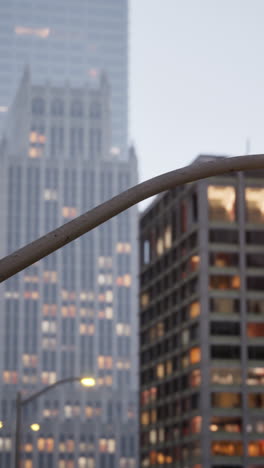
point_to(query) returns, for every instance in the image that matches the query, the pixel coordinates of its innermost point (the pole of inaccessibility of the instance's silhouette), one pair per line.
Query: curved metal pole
(21, 402)
(48, 388)
(70, 231)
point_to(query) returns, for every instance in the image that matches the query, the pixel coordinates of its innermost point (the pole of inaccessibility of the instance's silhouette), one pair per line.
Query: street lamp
(20, 403)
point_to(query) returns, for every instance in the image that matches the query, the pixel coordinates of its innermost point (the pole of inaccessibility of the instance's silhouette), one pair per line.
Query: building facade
(61, 40)
(74, 312)
(202, 324)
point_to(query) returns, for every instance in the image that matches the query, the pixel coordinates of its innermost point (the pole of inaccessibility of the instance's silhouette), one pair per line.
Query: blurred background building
(75, 312)
(70, 41)
(202, 324)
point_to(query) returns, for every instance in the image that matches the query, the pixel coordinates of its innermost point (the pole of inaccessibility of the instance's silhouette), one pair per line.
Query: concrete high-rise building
(202, 324)
(75, 312)
(62, 40)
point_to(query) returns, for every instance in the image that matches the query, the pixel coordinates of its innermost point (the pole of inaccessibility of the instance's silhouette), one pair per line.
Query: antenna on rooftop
(248, 146)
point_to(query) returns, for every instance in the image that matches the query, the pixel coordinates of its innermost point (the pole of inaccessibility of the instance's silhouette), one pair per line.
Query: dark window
(223, 259)
(57, 107)
(225, 328)
(76, 109)
(38, 106)
(223, 236)
(225, 352)
(255, 237)
(255, 260)
(95, 110)
(255, 283)
(194, 207)
(256, 352)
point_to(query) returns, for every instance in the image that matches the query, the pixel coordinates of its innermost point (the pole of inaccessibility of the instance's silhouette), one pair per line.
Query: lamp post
(20, 403)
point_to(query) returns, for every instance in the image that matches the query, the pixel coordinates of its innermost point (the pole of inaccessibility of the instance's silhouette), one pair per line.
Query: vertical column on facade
(243, 309)
(205, 401)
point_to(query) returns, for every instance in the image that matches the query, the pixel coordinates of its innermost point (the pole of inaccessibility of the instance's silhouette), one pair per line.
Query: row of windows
(57, 108)
(218, 376)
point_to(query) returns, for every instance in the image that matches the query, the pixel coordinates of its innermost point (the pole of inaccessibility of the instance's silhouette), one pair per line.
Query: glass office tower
(202, 324)
(65, 40)
(75, 312)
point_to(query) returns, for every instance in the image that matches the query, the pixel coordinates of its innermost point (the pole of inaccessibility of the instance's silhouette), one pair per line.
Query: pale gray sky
(196, 80)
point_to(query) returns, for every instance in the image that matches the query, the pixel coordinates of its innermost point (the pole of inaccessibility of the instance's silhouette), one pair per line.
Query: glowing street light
(35, 427)
(88, 381)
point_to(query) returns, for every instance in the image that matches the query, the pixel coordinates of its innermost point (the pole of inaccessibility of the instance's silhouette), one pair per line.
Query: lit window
(48, 378)
(224, 282)
(122, 329)
(49, 343)
(153, 436)
(255, 330)
(169, 367)
(35, 137)
(3, 108)
(31, 295)
(194, 310)
(50, 194)
(28, 448)
(168, 237)
(30, 360)
(111, 446)
(160, 329)
(160, 371)
(145, 418)
(226, 376)
(124, 281)
(12, 294)
(195, 378)
(256, 400)
(31, 279)
(123, 247)
(89, 411)
(42, 33)
(195, 355)
(86, 329)
(41, 444)
(49, 326)
(226, 400)
(226, 448)
(255, 376)
(109, 313)
(105, 362)
(196, 424)
(144, 299)
(185, 337)
(221, 201)
(160, 246)
(226, 424)
(109, 296)
(34, 152)
(50, 276)
(69, 212)
(69, 311)
(10, 377)
(255, 205)
(256, 448)
(49, 309)
(194, 263)
(185, 361)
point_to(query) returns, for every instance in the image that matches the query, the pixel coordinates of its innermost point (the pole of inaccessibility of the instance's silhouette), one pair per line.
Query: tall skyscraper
(75, 312)
(202, 324)
(65, 40)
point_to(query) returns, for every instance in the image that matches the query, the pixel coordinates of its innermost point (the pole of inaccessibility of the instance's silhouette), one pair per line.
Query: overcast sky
(196, 80)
